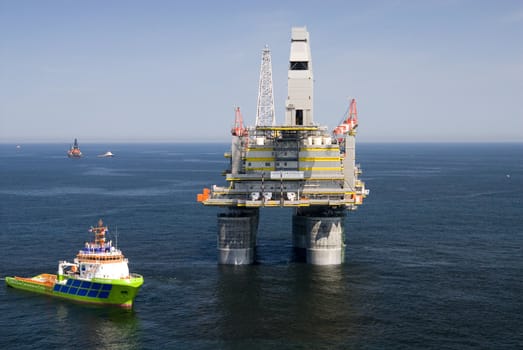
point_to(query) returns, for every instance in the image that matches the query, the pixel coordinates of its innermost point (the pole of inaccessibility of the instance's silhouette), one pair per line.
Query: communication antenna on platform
(265, 106)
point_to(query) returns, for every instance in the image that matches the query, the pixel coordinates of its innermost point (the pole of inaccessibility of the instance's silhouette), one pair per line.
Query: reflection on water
(239, 303)
(102, 327)
(323, 310)
(299, 303)
(103, 171)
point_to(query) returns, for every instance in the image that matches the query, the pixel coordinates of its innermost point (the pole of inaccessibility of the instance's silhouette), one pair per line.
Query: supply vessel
(298, 164)
(98, 275)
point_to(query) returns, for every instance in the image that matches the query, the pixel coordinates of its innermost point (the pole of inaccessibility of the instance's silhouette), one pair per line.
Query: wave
(96, 191)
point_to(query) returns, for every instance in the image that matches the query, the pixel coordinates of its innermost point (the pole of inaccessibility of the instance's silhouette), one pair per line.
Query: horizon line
(226, 142)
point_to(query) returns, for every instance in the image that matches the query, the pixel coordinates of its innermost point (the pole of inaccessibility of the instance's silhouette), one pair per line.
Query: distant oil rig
(74, 151)
(298, 164)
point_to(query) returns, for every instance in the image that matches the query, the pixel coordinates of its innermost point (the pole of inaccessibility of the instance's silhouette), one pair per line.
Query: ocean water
(434, 257)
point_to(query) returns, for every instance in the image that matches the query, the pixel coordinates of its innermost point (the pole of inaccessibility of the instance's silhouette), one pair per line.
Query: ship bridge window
(299, 65)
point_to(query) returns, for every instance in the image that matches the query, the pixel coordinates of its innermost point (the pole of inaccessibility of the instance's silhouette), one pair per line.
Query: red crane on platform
(238, 129)
(350, 123)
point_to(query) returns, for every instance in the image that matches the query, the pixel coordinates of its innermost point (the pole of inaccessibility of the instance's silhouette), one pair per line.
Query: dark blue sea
(434, 257)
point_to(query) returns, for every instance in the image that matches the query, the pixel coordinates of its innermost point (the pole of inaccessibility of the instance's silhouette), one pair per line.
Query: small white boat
(107, 154)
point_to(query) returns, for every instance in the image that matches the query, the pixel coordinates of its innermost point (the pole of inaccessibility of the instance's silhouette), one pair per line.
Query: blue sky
(110, 71)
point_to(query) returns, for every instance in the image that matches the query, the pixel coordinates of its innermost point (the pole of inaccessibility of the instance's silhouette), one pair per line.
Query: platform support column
(237, 229)
(318, 235)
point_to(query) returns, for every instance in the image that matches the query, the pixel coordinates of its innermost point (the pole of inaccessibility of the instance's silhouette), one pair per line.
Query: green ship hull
(115, 292)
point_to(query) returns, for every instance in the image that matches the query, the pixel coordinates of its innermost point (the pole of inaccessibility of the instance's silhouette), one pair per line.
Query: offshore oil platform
(299, 164)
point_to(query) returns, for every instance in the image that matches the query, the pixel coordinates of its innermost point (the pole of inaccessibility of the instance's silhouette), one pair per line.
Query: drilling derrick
(298, 164)
(265, 106)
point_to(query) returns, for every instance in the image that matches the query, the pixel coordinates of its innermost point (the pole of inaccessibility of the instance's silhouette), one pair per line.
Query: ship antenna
(116, 236)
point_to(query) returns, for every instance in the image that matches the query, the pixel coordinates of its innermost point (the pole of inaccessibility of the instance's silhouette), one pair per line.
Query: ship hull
(74, 155)
(120, 293)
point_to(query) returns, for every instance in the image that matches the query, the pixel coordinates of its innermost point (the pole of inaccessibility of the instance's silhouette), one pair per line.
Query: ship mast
(99, 233)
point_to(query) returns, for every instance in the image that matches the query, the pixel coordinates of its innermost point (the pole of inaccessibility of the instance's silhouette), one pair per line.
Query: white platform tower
(298, 109)
(265, 107)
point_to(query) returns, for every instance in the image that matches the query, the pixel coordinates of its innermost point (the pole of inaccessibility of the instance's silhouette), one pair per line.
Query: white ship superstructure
(98, 259)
